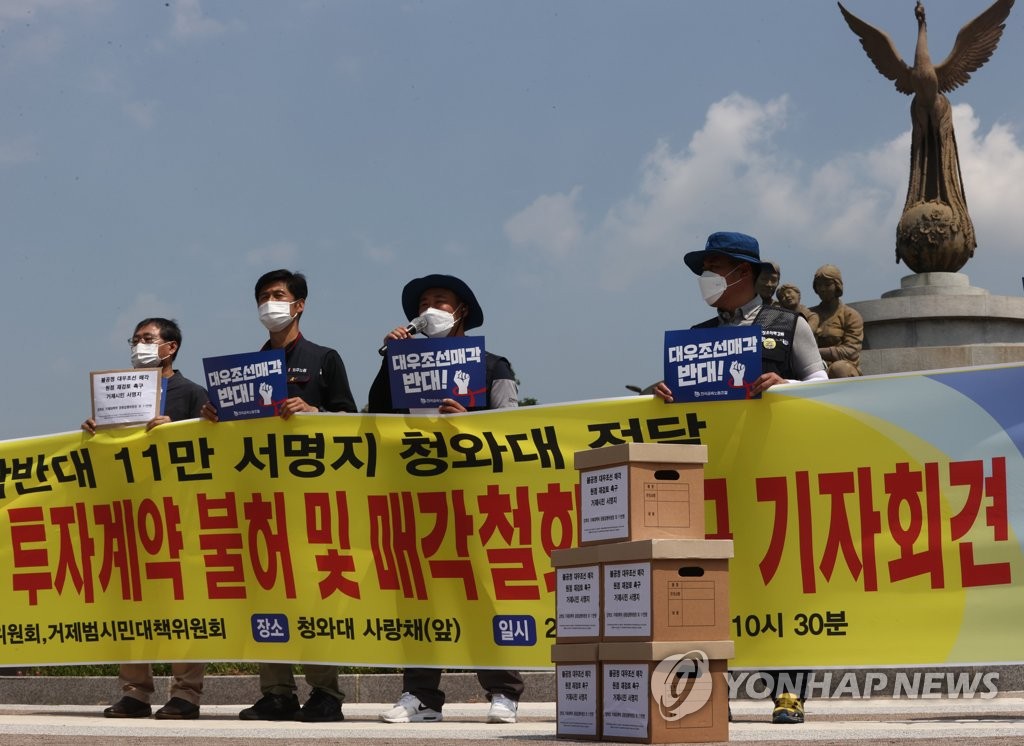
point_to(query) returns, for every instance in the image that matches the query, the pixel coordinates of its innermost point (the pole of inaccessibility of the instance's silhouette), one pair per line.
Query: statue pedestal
(937, 320)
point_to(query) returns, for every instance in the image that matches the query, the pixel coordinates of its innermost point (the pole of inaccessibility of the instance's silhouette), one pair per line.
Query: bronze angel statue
(935, 233)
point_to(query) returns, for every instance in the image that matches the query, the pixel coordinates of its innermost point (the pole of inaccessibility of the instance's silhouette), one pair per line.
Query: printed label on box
(577, 700)
(627, 600)
(625, 711)
(604, 504)
(578, 602)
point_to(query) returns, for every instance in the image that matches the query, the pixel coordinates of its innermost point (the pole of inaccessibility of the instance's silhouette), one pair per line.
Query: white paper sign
(625, 711)
(578, 601)
(627, 600)
(604, 504)
(125, 397)
(576, 689)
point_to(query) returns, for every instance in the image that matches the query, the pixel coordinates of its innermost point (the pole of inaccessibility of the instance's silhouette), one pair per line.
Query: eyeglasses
(148, 339)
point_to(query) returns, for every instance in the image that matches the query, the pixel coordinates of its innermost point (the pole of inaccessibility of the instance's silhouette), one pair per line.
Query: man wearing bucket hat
(728, 268)
(444, 306)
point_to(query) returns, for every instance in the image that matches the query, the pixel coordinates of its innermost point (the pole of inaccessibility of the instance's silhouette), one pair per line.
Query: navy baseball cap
(733, 245)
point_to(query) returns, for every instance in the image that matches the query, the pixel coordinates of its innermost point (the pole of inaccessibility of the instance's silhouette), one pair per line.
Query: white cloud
(733, 176)
(729, 177)
(18, 150)
(282, 254)
(143, 113)
(349, 68)
(992, 164)
(191, 23)
(380, 254)
(27, 10)
(35, 47)
(552, 224)
(33, 31)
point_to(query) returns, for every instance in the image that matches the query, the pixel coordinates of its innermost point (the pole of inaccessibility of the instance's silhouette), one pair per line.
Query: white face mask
(439, 322)
(276, 314)
(145, 355)
(712, 285)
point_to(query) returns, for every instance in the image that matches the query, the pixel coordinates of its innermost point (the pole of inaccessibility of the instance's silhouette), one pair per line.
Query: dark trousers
(425, 684)
(277, 678)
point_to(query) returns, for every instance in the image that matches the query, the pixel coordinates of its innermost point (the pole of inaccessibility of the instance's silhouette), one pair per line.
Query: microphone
(415, 326)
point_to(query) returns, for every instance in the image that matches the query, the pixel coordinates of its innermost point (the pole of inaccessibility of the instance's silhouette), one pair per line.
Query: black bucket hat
(415, 288)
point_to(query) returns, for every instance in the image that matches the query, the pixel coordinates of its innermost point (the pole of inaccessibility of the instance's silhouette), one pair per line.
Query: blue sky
(156, 157)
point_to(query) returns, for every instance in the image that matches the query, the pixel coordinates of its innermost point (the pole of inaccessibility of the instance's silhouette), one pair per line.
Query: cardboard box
(658, 692)
(659, 589)
(637, 491)
(578, 691)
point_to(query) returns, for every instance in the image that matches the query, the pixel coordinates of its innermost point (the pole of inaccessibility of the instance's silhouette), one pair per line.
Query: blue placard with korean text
(711, 364)
(422, 372)
(247, 385)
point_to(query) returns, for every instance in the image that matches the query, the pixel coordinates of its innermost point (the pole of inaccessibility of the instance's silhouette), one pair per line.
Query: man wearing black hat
(728, 268)
(444, 306)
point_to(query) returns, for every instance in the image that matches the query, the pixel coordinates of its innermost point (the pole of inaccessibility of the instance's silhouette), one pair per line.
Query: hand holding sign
(122, 398)
(711, 364)
(428, 373)
(246, 385)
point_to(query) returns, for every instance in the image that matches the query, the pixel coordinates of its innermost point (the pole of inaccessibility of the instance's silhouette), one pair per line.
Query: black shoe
(321, 707)
(128, 707)
(272, 707)
(178, 709)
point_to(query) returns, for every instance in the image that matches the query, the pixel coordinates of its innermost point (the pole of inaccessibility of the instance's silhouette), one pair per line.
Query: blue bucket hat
(415, 288)
(733, 245)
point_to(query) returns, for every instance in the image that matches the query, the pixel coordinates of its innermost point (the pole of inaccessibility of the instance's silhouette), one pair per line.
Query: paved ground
(864, 722)
(67, 710)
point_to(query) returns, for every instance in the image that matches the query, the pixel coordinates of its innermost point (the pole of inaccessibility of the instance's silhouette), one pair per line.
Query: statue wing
(882, 51)
(974, 45)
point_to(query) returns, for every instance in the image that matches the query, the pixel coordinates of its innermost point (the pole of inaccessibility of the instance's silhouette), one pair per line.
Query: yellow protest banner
(876, 521)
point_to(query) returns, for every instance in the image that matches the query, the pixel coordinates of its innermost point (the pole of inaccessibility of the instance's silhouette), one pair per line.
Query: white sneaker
(503, 709)
(409, 709)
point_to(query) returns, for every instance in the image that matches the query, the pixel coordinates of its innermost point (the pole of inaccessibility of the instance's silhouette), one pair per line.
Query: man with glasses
(155, 344)
(317, 382)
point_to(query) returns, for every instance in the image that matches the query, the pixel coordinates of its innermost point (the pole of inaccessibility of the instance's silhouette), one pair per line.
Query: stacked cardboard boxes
(642, 604)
